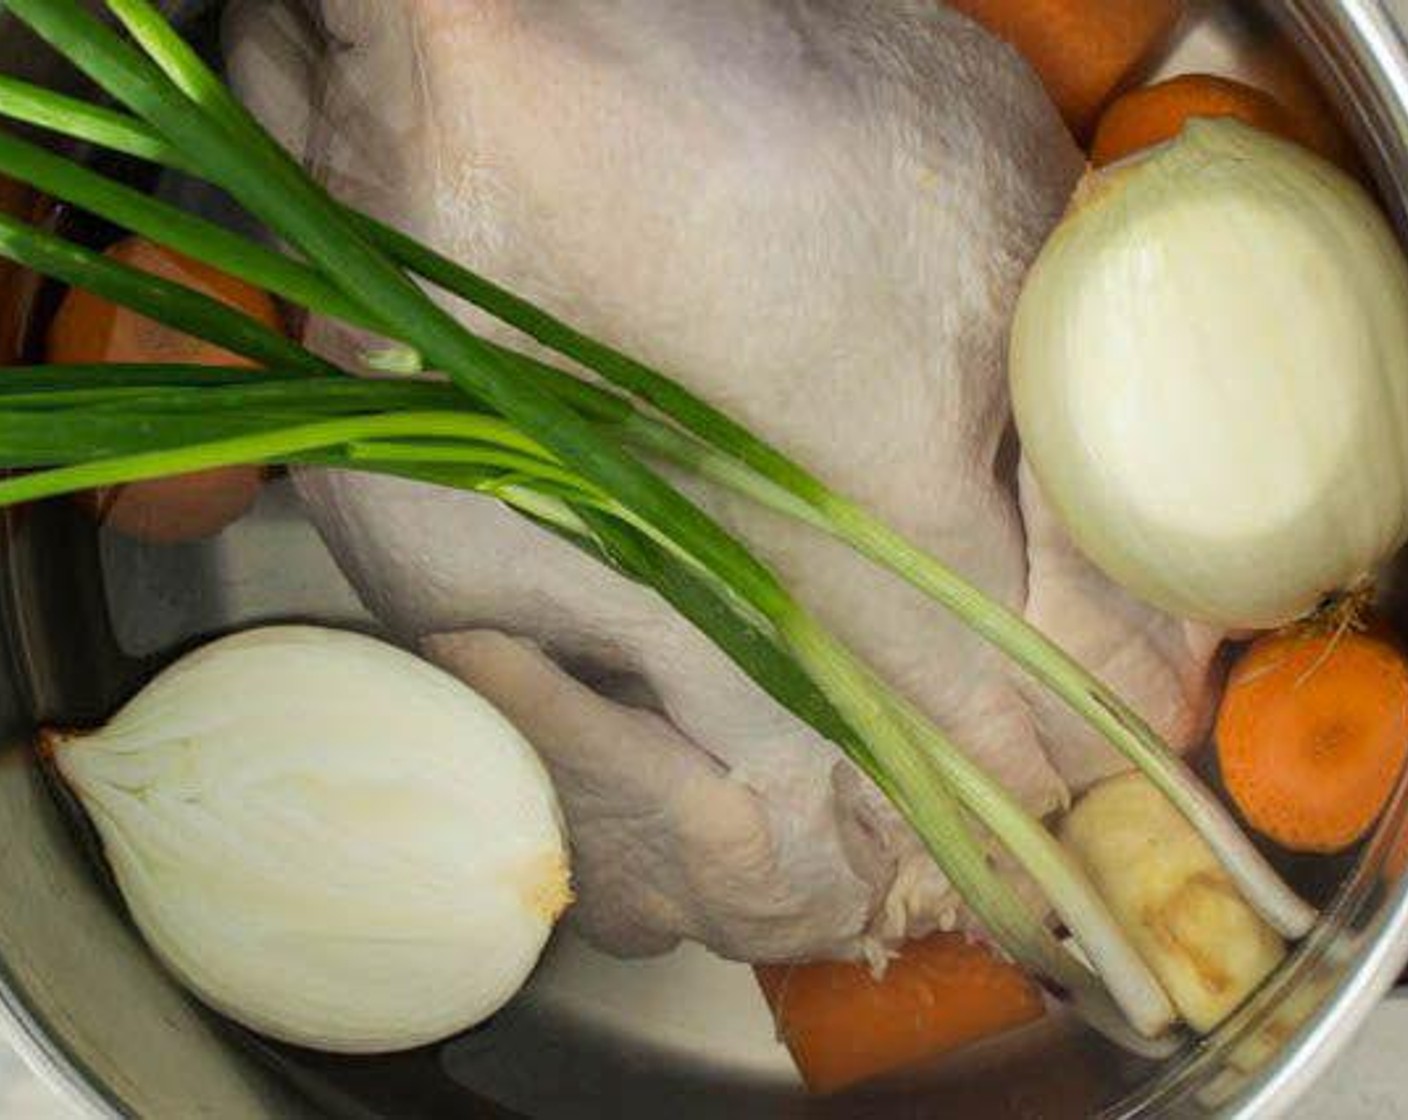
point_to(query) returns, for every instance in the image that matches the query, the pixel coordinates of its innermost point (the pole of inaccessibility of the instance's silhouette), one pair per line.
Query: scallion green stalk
(151, 389)
(82, 120)
(756, 652)
(154, 296)
(261, 445)
(141, 375)
(1100, 706)
(175, 228)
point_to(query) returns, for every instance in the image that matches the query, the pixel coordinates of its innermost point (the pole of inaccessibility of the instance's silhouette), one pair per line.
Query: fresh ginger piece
(1208, 948)
(843, 1026)
(1085, 51)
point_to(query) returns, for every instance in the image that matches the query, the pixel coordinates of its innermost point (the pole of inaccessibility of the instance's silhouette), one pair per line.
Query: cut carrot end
(1312, 736)
(844, 1027)
(1144, 118)
(89, 329)
(1084, 51)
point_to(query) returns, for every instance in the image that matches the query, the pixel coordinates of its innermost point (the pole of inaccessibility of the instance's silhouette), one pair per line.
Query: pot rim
(48, 1060)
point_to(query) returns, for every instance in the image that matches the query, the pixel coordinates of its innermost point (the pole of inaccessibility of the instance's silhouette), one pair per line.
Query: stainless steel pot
(84, 616)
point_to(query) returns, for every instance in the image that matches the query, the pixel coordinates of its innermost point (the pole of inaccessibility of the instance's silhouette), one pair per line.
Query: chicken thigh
(815, 213)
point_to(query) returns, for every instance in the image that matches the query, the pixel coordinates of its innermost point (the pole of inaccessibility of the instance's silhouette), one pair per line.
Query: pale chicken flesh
(817, 214)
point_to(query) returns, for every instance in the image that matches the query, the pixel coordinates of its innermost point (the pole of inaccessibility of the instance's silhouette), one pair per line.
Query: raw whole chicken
(816, 213)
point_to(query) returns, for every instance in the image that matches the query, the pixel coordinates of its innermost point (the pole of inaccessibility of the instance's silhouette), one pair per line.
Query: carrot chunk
(1146, 117)
(88, 328)
(1085, 51)
(843, 1026)
(1312, 736)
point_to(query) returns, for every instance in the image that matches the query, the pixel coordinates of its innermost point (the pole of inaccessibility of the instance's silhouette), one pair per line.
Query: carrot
(843, 1026)
(1146, 117)
(88, 328)
(1085, 51)
(1312, 735)
(181, 508)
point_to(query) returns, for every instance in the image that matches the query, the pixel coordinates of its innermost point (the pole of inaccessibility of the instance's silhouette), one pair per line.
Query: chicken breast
(815, 213)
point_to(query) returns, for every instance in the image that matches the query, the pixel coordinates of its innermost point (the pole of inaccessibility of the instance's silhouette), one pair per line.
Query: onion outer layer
(327, 839)
(1210, 377)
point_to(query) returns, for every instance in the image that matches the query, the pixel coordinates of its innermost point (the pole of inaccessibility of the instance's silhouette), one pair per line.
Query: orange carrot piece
(1312, 736)
(88, 328)
(843, 1026)
(1085, 51)
(178, 509)
(1146, 117)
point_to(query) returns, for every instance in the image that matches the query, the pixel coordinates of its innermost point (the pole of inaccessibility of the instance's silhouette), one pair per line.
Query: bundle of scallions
(570, 455)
